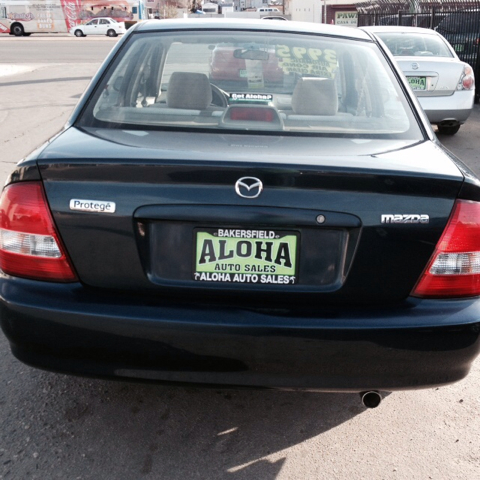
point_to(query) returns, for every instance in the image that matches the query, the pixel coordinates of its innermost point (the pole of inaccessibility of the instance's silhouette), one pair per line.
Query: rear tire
(450, 130)
(111, 33)
(17, 30)
(78, 33)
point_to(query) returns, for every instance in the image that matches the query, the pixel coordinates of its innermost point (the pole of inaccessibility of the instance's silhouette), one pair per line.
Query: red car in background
(245, 65)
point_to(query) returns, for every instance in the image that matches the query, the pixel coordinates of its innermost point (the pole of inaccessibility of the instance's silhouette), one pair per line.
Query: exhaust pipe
(371, 399)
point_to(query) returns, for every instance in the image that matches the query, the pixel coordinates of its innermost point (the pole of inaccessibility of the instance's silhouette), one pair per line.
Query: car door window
(103, 26)
(90, 27)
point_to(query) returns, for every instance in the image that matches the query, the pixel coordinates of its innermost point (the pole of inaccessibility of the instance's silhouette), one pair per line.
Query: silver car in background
(443, 84)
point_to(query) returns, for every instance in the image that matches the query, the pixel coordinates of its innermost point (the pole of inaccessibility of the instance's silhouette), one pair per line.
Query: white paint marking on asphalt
(7, 70)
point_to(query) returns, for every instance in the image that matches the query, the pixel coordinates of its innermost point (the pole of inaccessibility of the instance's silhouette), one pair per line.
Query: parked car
(99, 26)
(210, 8)
(407, 19)
(268, 10)
(274, 17)
(462, 30)
(235, 66)
(444, 85)
(310, 233)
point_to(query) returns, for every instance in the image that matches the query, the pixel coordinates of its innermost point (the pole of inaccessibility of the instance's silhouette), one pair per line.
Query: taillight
(29, 244)
(454, 269)
(467, 80)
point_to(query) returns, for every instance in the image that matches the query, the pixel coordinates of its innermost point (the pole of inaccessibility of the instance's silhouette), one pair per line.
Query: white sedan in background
(99, 26)
(443, 84)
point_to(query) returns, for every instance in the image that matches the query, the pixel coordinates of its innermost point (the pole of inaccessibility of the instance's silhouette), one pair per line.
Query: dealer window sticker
(250, 97)
(254, 73)
(307, 61)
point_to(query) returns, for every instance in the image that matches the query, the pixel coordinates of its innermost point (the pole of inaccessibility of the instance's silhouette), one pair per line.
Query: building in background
(336, 12)
(163, 8)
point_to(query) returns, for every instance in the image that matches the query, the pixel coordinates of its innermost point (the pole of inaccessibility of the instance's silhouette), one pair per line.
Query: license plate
(246, 256)
(418, 83)
(459, 47)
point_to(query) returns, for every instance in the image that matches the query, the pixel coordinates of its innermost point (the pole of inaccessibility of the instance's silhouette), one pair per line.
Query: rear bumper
(69, 329)
(454, 108)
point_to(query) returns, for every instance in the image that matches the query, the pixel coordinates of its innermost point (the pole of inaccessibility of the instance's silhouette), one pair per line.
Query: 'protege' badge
(95, 206)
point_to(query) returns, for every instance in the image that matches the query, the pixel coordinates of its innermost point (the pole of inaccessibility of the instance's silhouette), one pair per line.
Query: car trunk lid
(335, 228)
(431, 76)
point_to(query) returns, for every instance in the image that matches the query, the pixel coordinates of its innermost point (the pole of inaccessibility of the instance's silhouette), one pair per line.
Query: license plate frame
(246, 255)
(418, 83)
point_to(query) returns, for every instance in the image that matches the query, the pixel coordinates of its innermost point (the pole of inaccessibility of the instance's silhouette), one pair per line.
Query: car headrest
(189, 90)
(315, 96)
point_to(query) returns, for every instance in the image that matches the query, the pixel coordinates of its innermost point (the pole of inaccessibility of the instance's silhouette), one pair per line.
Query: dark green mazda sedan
(236, 203)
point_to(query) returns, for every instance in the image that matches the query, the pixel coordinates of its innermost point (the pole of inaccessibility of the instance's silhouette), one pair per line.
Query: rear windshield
(408, 44)
(251, 81)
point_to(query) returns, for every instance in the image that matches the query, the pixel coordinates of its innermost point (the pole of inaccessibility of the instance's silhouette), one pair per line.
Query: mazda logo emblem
(415, 66)
(249, 187)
